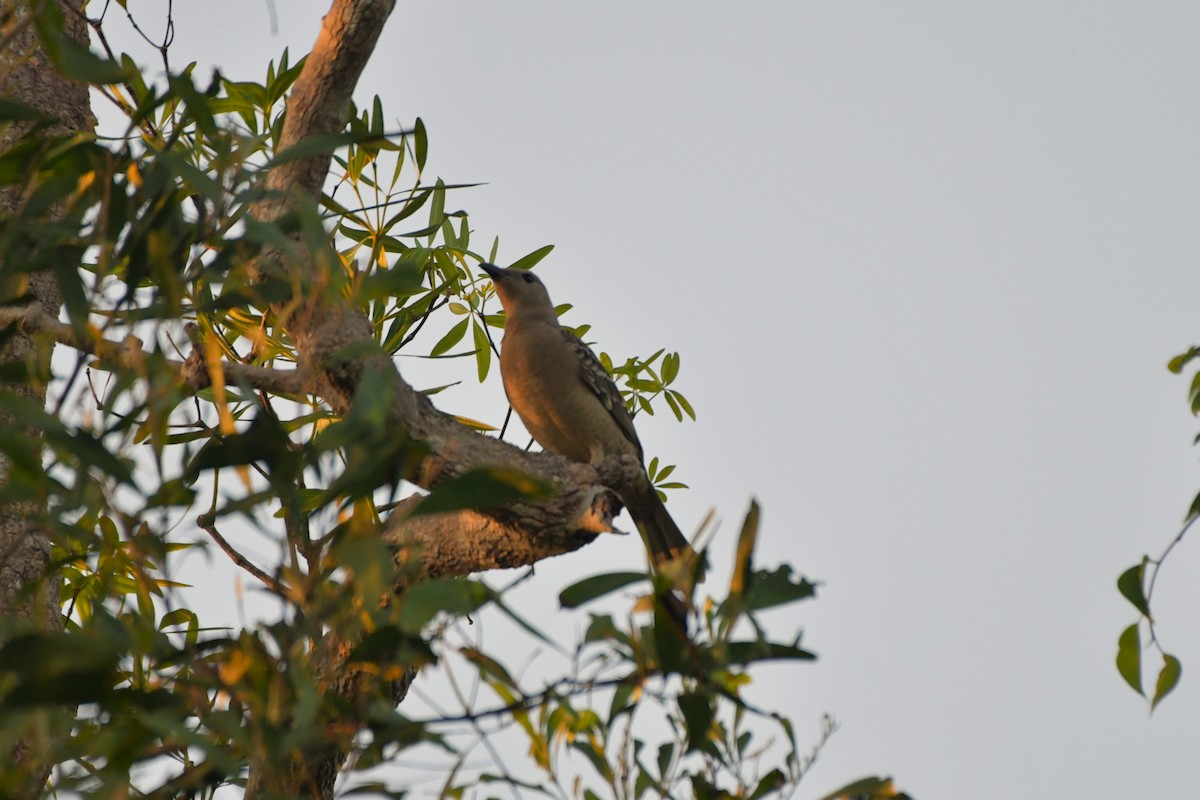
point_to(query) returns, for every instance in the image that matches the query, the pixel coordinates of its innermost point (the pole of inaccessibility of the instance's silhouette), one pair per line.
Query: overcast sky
(925, 264)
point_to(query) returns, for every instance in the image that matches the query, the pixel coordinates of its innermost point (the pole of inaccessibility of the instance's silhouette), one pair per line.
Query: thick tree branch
(193, 372)
(520, 534)
(320, 101)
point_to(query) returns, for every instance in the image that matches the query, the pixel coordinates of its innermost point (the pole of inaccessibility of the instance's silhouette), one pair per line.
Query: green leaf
(489, 487)
(674, 404)
(597, 586)
(670, 367)
(748, 652)
(180, 616)
(500, 606)
(603, 629)
(483, 351)
(743, 571)
(199, 180)
(401, 280)
(598, 762)
(410, 207)
(79, 63)
(666, 752)
(490, 667)
(683, 403)
(423, 601)
(437, 209)
(319, 145)
(1168, 678)
(1194, 509)
(1177, 363)
(452, 337)
(390, 645)
(262, 441)
(697, 717)
(622, 701)
(866, 789)
(772, 782)
(1130, 586)
(529, 261)
(66, 668)
(670, 641)
(420, 143)
(1129, 658)
(171, 493)
(777, 587)
(92, 452)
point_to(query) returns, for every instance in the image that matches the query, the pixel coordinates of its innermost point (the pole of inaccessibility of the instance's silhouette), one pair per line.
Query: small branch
(193, 371)
(566, 687)
(1158, 565)
(206, 523)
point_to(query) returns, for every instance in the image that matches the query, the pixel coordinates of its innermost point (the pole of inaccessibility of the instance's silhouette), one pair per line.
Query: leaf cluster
(1136, 585)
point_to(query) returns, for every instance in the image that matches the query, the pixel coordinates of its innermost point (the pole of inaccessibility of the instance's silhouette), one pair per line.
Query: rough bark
(27, 600)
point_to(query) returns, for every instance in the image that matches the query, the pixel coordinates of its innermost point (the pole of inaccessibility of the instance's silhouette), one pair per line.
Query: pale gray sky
(925, 264)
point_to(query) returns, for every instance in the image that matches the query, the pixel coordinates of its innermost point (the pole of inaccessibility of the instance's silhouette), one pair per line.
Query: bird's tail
(663, 538)
(670, 553)
(664, 541)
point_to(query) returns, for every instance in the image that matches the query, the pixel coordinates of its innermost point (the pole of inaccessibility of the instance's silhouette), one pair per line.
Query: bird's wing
(597, 379)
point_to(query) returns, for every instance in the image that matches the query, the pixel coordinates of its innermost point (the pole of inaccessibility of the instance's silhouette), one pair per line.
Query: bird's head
(520, 291)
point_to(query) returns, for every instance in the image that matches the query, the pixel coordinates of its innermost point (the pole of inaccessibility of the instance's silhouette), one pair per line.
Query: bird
(570, 405)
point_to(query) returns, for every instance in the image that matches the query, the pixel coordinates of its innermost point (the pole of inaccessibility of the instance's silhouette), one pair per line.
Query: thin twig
(206, 523)
(1158, 564)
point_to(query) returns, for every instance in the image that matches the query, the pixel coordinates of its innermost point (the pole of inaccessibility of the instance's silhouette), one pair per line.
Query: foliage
(1136, 584)
(151, 236)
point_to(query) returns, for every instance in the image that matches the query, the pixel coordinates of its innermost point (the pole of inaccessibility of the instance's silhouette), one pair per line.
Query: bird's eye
(528, 278)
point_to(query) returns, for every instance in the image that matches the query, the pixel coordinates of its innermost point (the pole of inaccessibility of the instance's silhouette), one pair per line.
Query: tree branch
(193, 372)
(209, 526)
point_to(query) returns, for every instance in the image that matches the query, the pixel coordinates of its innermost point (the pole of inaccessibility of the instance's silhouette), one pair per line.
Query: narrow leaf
(483, 351)
(1168, 678)
(528, 262)
(452, 337)
(1129, 658)
(597, 586)
(420, 143)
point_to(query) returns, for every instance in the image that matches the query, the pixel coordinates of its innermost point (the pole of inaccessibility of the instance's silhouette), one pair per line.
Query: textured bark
(520, 534)
(324, 332)
(27, 601)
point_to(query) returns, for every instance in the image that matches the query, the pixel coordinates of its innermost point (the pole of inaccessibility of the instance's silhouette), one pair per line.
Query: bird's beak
(494, 272)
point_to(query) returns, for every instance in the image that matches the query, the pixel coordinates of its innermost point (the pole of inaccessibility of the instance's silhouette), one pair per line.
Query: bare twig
(1158, 565)
(206, 523)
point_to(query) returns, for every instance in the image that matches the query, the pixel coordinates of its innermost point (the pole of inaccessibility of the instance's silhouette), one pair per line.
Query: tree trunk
(28, 600)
